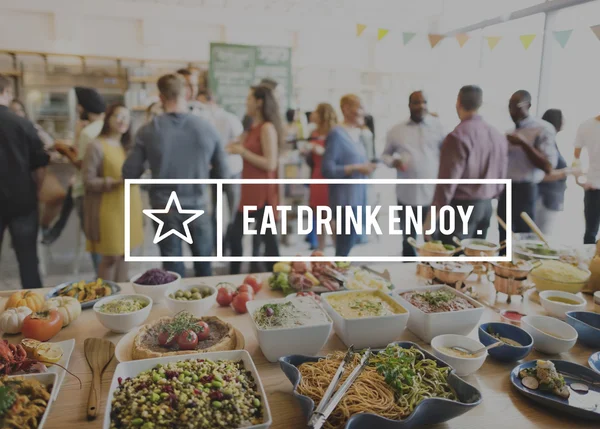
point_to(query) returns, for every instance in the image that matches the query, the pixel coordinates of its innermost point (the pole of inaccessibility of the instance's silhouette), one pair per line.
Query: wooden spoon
(531, 224)
(98, 353)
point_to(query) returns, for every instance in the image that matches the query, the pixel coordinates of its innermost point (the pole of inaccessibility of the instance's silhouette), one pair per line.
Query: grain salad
(188, 394)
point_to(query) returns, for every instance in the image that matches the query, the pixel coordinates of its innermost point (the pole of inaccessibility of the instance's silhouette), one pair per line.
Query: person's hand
(582, 181)
(235, 148)
(514, 139)
(366, 168)
(576, 171)
(401, 164)
(67, 150)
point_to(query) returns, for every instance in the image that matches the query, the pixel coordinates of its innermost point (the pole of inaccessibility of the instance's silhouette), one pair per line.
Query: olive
(196, 295)
(178, 293)
(194, 290)
(187, 294)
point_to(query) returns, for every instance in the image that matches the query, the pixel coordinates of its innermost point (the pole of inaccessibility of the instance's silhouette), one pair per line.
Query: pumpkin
(25, 298)
(68, 307)
(12, 319)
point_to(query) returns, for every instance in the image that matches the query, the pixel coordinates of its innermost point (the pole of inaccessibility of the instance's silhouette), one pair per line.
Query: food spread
(188, 394)
(545, 376)
(155, 276)
(192, 294)
(563, 300)
(22, 402)
(85, 292)
(299, 311)
(122, 306)
(364, 304)
(437, 301)
(456, 352)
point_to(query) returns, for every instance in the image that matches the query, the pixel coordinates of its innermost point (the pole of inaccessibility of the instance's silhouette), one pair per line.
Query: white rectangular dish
(47, 378)
(302, 339)
(427, 326)
(377, 331)
(67, 348)
(133, 368)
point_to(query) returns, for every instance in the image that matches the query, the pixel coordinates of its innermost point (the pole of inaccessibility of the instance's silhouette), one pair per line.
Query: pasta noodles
(22, 403)
(391, 385)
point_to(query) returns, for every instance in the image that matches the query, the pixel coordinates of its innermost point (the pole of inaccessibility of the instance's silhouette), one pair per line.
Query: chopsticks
(330, 399)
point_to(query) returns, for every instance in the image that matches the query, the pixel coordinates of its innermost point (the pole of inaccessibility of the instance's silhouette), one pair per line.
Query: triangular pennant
(359, 29)
(562, 37)
(381, 33)
(434, 39)
(526, 40)
(492, 41)
(407, 37)
(596, 30)
(462, 38)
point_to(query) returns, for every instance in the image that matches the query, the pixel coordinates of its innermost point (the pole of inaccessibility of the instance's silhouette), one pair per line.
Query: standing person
(104, 201)
(277, 89)
(532, 154)
(179, 145)
(325, 118)
(345, 158)
(22, 168)
(259, 150)
(229, 128)
(474, 150)
(588, 137)
(413, 149)
(191, 86)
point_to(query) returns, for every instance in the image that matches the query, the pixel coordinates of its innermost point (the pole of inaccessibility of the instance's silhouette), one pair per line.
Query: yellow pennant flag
(381, 33)
(492, 41)
(434, 39)
(359, 29)
(526, 40)
(462, 38)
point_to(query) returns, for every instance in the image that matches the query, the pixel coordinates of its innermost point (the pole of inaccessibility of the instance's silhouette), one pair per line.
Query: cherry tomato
(203, 332)
(163, 339)
(187, 340)
(42, 325)
(224, 297)
(253, 282)
(245, 289)
(240, 300)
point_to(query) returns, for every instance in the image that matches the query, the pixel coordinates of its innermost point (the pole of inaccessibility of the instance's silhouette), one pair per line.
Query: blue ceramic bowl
(505, 353)
(587, 325)
(594, 362)
(429, 411)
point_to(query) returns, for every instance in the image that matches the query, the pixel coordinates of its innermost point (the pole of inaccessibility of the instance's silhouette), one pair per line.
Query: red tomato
(42, 325)
(203, 332)
(163, 338)
(224, 297)
(187, 340)
(240, 300)
(253, 282)
(245, 289)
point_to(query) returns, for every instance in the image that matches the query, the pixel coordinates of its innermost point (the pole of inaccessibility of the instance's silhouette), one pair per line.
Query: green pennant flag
(526, 40)
(562, 37)
(407, 37)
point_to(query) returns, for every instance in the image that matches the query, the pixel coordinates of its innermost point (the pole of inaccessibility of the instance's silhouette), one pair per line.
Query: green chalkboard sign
(234, 68)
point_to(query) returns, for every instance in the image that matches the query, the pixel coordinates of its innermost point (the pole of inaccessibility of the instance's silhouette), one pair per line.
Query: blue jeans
(524, 197)
(202, 245)
(79, 208)
(345, 242)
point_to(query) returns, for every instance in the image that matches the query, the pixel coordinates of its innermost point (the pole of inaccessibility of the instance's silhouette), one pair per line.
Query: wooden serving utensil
(98, 353)
(531, 224)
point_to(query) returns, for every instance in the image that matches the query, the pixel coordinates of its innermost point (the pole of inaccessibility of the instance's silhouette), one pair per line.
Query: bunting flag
(596, 30)
(407, 37)
(434, 39)
(359, 29)
(492, 41)
(526, 40)
(562, 37)
(462, 38)
(381, 33)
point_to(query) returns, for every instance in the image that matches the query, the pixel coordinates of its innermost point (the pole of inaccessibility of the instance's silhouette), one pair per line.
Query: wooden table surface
(502, 406)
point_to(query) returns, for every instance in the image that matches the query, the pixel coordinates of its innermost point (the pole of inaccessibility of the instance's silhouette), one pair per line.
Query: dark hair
(170, 86)
(413, 93)
(4, 83)
(20, 103)
(555, 117)
(269, 83)
(269, 109)
(523, 95)
(126, 137)
(206, 92)
(184, 72)
(289, 115)
(470, 97)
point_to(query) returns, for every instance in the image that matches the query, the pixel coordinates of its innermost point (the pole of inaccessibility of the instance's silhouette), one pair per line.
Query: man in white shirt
(588, 137)
(413, 149)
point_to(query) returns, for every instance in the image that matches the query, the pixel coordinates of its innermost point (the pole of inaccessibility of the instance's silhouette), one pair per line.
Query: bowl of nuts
(195, 299)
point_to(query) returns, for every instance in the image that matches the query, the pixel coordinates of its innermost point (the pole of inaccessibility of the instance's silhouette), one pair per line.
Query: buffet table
(502, 406)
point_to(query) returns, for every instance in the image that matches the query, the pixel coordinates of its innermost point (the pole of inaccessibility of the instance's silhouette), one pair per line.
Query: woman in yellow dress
(104, 200)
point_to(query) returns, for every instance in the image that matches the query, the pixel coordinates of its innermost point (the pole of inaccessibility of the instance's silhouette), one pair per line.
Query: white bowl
(123, 322)
(156, 292)
(426, 326)
(462, 366)
(298, 340)
(47, 379)
(558, 309)
(364, 332)
(198, 307)
(540, 328)
(132, 369)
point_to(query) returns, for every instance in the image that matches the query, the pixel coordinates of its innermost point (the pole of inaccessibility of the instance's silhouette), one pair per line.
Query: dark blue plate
(583, 405)
(429, 411)
(89, 304)
(594, 362)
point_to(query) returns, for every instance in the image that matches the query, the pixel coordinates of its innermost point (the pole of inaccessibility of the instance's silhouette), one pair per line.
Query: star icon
(159, 235)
